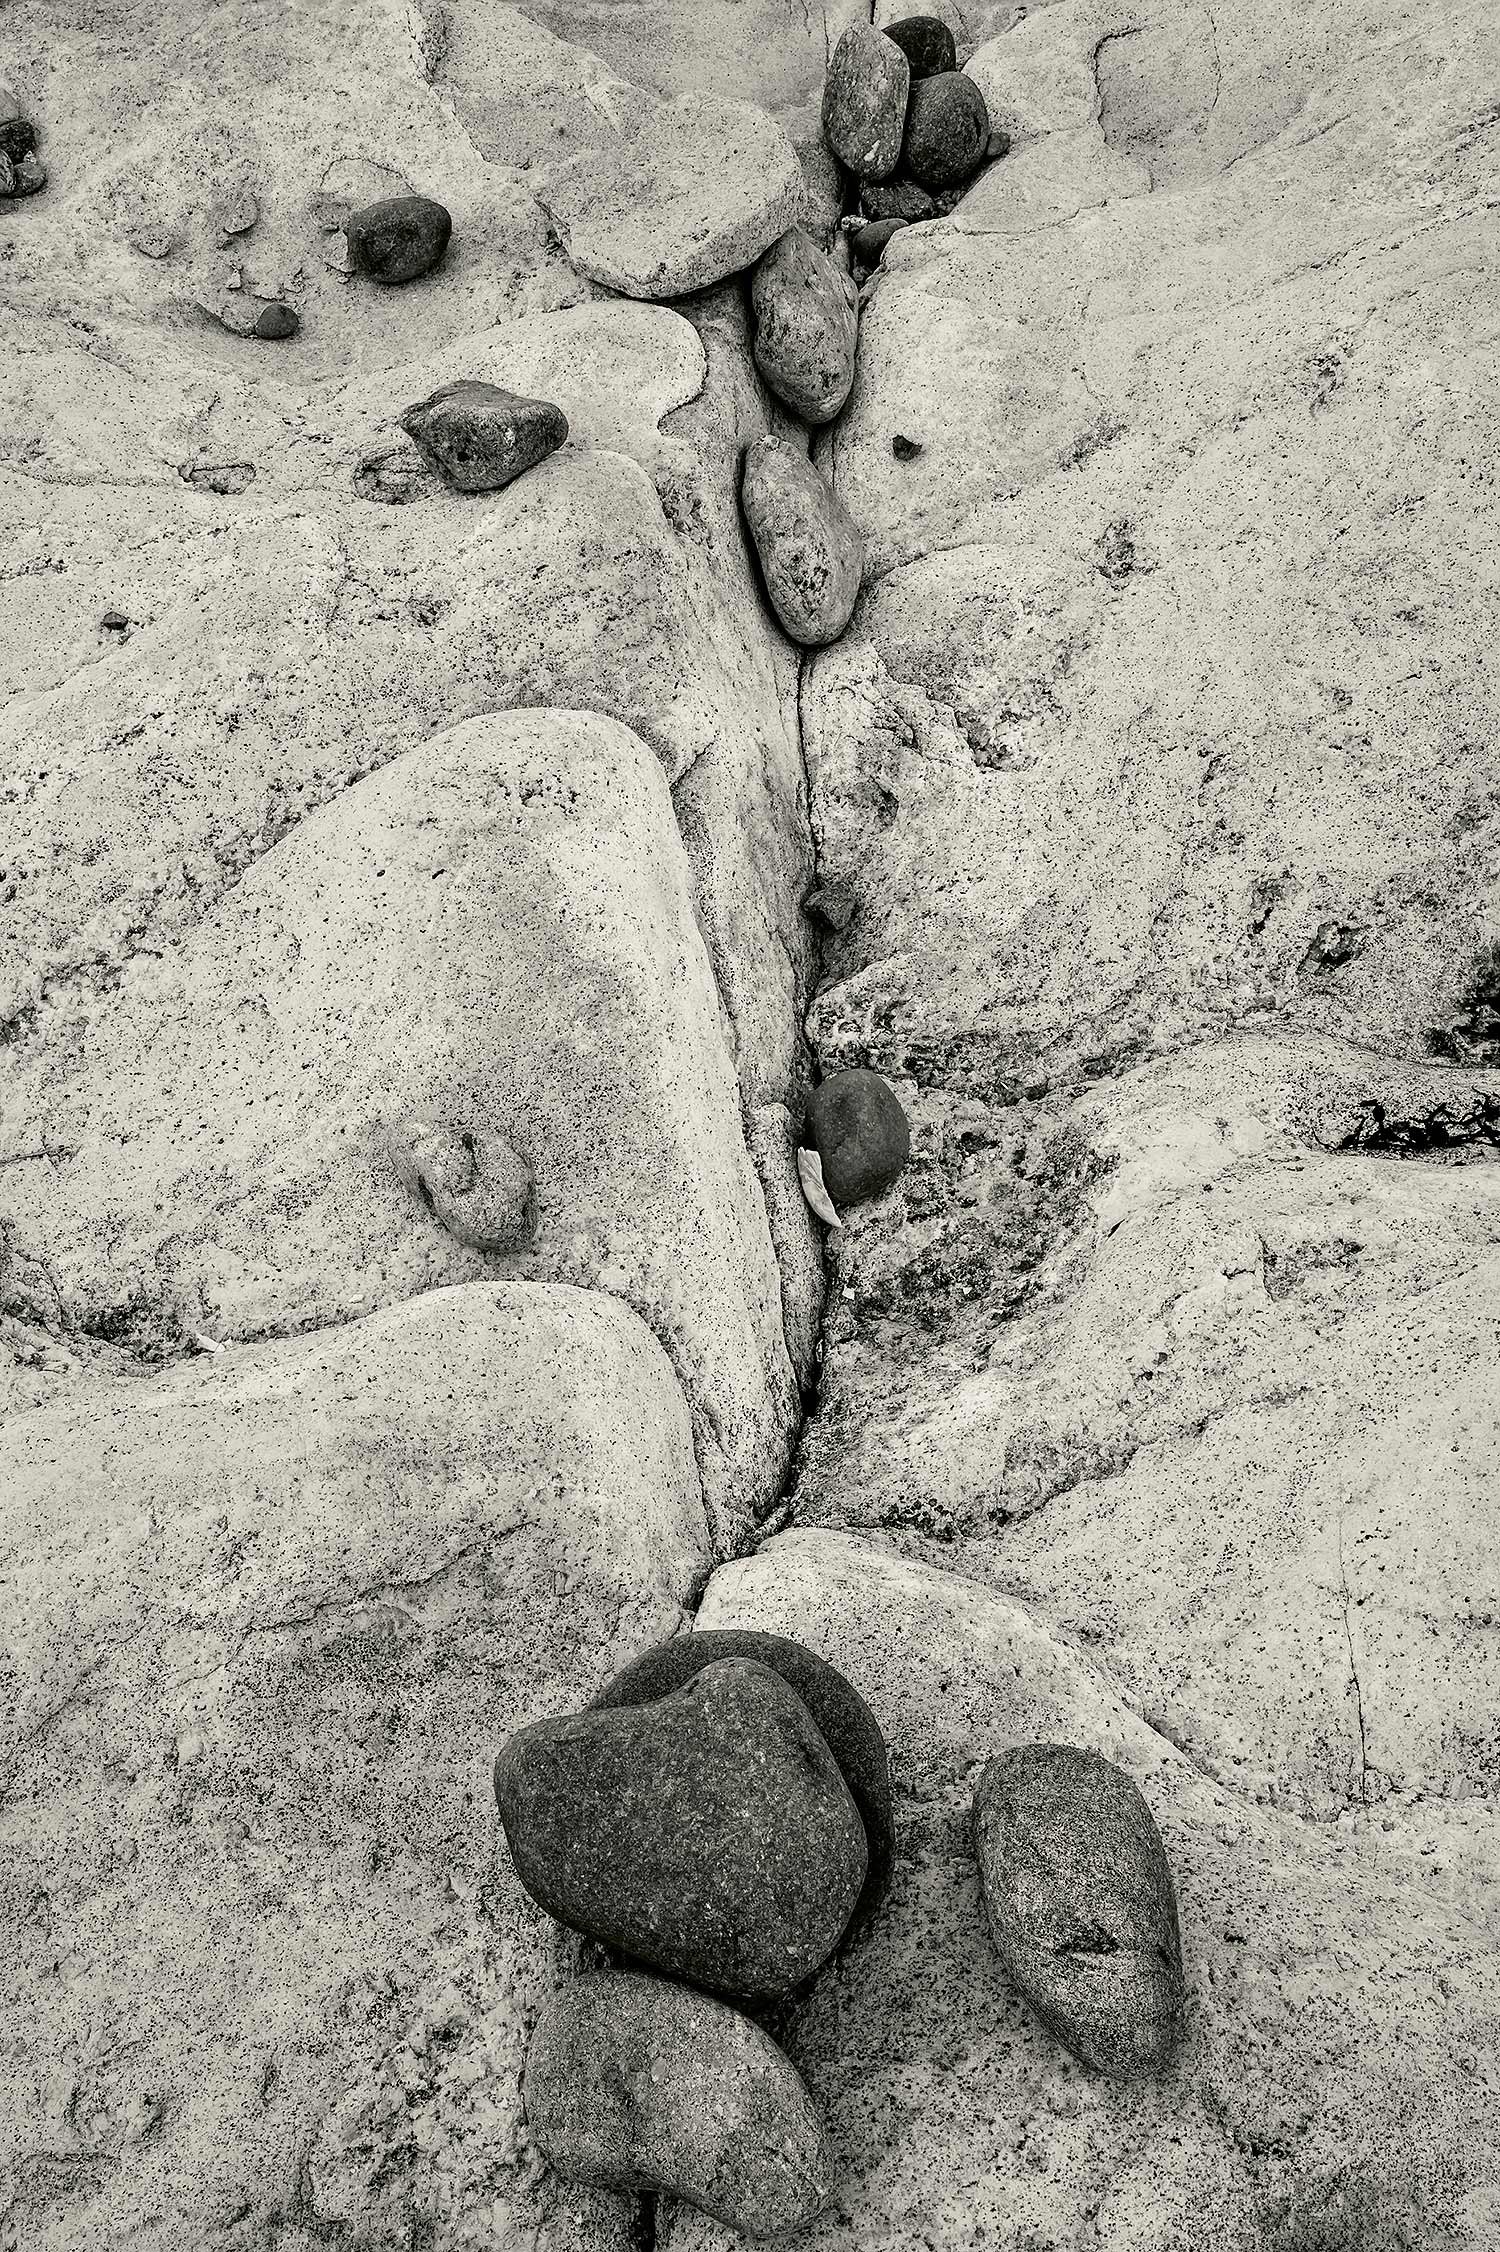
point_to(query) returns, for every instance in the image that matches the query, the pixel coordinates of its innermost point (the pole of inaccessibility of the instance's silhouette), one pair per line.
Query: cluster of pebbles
(719, 1822)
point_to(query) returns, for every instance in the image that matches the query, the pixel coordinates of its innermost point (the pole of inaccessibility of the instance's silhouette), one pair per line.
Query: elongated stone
(810, 549)
(864, 102)
(947, 131)
(856, 1124)
(1079, 1896)
(633, 2083)
(806, 329)
(709, 1834)
(481, 437)
(839, 1712)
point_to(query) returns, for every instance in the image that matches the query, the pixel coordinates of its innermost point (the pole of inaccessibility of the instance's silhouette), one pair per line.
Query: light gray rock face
(806, 327)
(688, 192)
(641, 2084)
(809, 546)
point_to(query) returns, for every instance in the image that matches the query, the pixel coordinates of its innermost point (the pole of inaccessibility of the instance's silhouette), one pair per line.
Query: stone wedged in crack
(947, 131)
(868, 243)
(806, 329)
(691, 191)
(634, 2083)
(864, 102)
(839, 1713)
(1080, 1901)
(480, 437)
(709, 1834)
(471, 1181)
(856, 1124)
(810, 549)
(399, 239)
(927, 44)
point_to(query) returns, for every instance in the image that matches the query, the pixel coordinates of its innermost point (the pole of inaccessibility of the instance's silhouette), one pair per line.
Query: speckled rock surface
(638, 2082)
(480, 437)
(708, 1833)
(864, 102)
(842, 1717)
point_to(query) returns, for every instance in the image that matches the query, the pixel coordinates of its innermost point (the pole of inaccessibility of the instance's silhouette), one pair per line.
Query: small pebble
(864, 102)
(895, 199)
(843, 1719)
(632, 2083)
(1080, 1901)
(115, 621)
(810, 549)
(857, 1126)
(870, 241)
(947, 130)
(276, 322)
(398, 239)
(481, 437)
(806, 328)
(709, 1833)
(927, 44)
(905, 449)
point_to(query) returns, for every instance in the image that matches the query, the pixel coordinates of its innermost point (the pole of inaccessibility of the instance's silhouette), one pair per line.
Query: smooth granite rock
(926, 42)
(809, 547)
(399, 239)
(864, 102)
(947, 131)
(683, 194)
(639, 2084)
(480, 437)
(856, 1124)
(1079, 1896)
(709, 1834)
(806, 329)
(843, 1720)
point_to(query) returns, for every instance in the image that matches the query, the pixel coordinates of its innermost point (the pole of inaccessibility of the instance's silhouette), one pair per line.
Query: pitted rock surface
(708, 1834)
(637, 2083)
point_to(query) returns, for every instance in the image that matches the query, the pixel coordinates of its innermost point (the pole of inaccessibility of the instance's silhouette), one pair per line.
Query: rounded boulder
(856, 1124)
(631, 2083)
(927, 44)
(399, 239)
(947, 131)
(480, 437)
(809, 548)
(1079, 1896)
(709, 1834)
(806, 329)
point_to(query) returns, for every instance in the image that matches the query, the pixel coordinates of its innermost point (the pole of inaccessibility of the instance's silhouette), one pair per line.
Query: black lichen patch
(1440, 1132)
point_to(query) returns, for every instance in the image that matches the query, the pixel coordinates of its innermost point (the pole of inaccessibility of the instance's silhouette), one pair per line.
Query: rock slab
(864, 102)
(481, 437)
(709, 1834)
(806, 327)
(809, 547)
(633, 2083)
(839, 1712)
(1080, 1900)
(690, 191)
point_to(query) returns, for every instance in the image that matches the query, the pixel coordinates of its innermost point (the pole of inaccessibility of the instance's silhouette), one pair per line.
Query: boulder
(806, 327)
(856, 1124)
(947, 131)
(480, 437)
(926, 42)
(864, 102)
(399, 239)
(809, 547)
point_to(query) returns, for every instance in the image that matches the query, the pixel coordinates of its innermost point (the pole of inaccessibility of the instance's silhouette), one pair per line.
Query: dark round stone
(709, 1833)
(895, 199)
(1080, 1900)
(927, 44)
(868, 243)
(806, 329)
(480, 437)
(399, 239)
(839, 1712)
(276, 322)
(947, 130)
(17, 137)
(857, 1126)
(905, 449)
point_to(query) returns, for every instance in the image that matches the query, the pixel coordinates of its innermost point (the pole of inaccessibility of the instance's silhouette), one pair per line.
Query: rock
(398, 239)
(471, 1180)
(22, 175)
(809, 547)
(17, 133)
(947, 130)
(275, 323)
(806, 329)
(1080, 1900)
(637, 2084)
(905, 449)
(896, 199)
(709, 1834)
(869, 242)
(7, 176)
(691, 191)
(927, 44)
(864, 102)
(856, 1124)
(840, 1714)
(481, 437)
